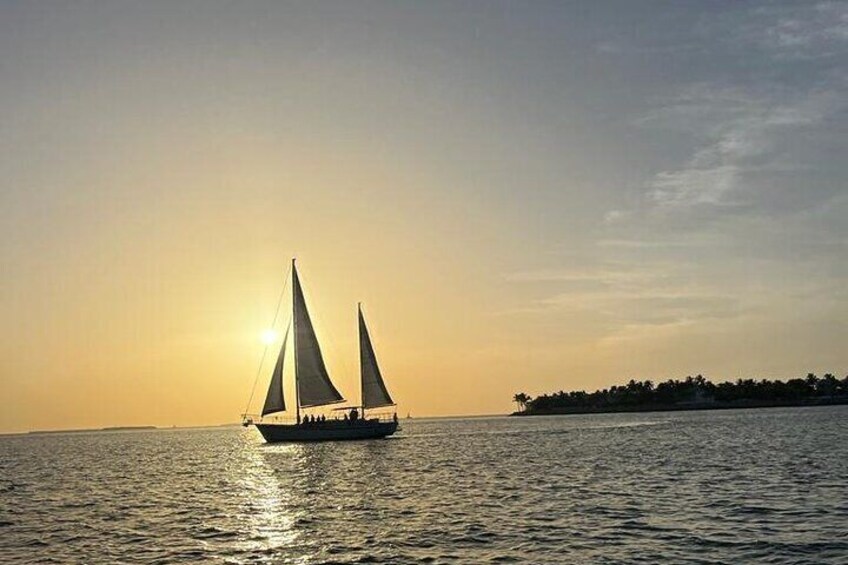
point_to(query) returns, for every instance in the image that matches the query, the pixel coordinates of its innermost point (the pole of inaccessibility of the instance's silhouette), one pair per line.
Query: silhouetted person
(354, 415)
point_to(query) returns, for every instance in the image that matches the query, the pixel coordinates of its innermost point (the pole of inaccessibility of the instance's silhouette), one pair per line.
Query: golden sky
(524, 200)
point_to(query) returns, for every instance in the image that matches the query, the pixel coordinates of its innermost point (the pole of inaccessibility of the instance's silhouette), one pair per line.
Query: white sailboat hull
(335, 430)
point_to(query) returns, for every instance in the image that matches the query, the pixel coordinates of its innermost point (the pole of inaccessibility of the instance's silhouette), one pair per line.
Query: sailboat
(313, 387)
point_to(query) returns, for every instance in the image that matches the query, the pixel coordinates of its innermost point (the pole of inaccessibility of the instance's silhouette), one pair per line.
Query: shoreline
(836, 401)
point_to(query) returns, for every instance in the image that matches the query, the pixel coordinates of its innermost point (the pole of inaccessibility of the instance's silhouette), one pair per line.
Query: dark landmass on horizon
(120, 429)
(84, 430)
(692, 393)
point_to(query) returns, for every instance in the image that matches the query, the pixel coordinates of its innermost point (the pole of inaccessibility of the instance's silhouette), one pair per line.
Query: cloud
(609, 275)
(741, 218)
(616, 216)
(692, 186)
(741, 132)
(743, 127)
(656, 243)
(628, 295)
(643, 307)
(802, 31)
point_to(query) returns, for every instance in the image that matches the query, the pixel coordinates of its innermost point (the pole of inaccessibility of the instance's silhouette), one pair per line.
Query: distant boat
(313, 387)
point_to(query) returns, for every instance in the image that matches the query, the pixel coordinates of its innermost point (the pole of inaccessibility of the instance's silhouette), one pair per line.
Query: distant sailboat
(313, 386)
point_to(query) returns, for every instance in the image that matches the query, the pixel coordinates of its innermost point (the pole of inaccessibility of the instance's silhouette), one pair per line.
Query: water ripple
(763, 486)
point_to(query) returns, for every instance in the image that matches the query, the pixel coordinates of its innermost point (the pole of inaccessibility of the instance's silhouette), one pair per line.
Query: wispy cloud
(743, 200)
(627, 295)
(616, 216)
(691, 186)
(656, 243)
(716, 202)
(646, 308)
(803, 31)
(741, 132)
(742, 125)
(608, 275)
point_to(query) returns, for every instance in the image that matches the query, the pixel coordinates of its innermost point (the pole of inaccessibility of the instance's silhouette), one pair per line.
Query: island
(691, 393)
(90, 430)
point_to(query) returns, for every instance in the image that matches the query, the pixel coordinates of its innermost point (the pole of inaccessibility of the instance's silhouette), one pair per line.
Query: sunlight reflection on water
(271, 517)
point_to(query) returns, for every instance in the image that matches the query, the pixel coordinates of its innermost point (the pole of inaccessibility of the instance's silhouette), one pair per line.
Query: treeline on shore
(690, 393)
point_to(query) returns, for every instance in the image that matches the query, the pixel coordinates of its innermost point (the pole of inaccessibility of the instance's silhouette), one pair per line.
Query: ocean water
(742, 486)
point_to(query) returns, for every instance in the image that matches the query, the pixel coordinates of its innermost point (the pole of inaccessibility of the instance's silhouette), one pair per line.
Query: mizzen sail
(274, 399)
(374, 393)
(313, 383)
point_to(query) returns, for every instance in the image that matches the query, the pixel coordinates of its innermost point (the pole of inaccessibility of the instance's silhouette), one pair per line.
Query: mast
(361, 380)
(294, 321)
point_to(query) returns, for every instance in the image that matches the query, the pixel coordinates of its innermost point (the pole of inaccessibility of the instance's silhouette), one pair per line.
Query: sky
(526, 196)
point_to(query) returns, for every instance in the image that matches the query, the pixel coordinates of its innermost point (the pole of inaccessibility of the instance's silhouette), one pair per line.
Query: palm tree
(521, 399)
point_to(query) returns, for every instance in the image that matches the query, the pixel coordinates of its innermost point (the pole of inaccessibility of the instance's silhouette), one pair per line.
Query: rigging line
(267, 345)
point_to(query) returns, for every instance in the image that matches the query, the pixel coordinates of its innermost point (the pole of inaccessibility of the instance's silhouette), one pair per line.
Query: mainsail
(374, 393)
(274, 400)
(313, 383)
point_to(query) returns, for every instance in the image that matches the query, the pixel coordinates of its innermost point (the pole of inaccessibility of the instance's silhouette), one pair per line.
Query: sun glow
(269, 337)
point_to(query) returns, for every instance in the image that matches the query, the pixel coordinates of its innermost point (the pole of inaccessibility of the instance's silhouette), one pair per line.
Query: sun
(269, 337)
